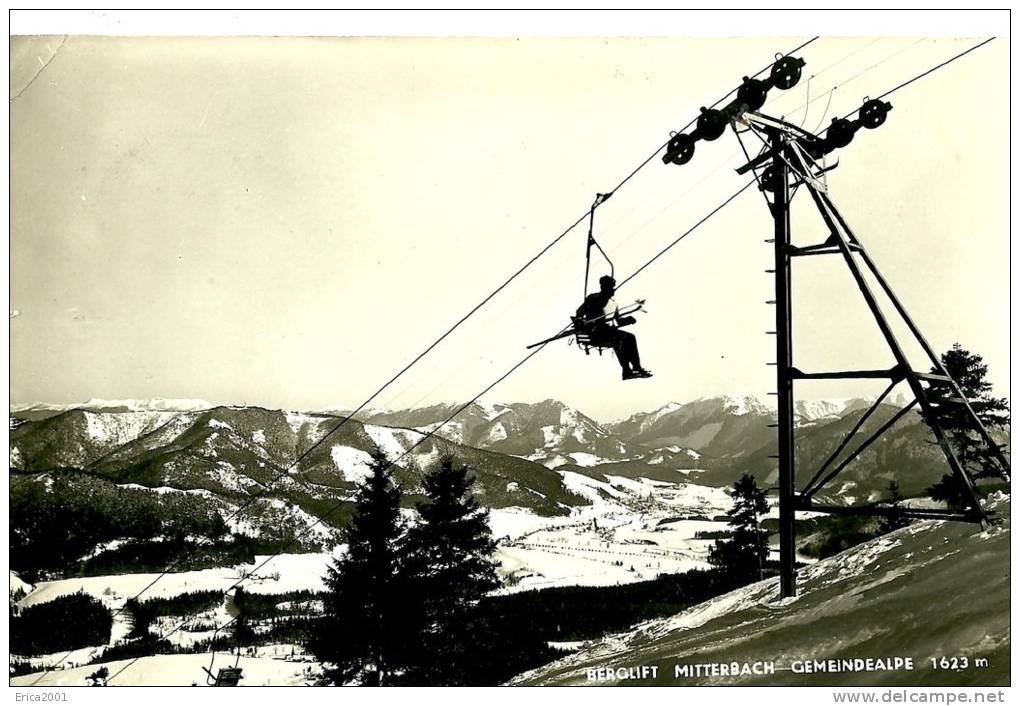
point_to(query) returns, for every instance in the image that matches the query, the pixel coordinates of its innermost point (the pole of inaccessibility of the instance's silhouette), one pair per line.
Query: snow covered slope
(929, 590)
(722, 427)
(549, 432)
(233, 452)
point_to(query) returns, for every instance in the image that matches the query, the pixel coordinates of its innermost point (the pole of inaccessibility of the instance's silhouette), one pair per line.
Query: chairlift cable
(496, 291)
(922, 74)
(688, 232)
(935, 68)
(321, 518)
(625, 281)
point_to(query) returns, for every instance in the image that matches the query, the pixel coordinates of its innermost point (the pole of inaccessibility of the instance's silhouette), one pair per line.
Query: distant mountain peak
(491, 410)
(668, 407)
(130, 405)
(739, 405)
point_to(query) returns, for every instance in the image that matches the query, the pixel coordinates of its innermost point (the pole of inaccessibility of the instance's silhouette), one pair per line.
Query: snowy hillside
(548, 432)
(927, 591)
(720, 427)
(38, 411)
(234, 452)
(632, 530)
(809, 412)
(287, 573)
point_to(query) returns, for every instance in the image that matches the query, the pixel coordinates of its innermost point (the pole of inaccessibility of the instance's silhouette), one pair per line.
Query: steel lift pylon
(788, 166)
(789, 161)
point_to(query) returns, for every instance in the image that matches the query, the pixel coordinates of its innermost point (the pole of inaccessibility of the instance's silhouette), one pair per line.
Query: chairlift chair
(580, 328)
(582, 336)
(226, 676)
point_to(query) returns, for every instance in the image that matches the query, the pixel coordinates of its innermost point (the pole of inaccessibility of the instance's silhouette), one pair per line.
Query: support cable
(935, 68)
(688, 232)
(321, 518)
(925, 73)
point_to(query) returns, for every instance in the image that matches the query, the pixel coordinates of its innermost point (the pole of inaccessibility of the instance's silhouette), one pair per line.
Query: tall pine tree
(970, 371)
(448, 568)
(745, 552)
(362, 639)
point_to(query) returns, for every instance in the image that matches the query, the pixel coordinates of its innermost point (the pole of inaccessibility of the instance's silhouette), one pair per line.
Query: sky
(290, 221)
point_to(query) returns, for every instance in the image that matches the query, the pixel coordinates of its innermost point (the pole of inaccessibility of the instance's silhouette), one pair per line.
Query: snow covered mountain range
(211, 461)
(709, 441)
(712, 440)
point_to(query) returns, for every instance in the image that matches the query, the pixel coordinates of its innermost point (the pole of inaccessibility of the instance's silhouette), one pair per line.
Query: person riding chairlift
(599, 315)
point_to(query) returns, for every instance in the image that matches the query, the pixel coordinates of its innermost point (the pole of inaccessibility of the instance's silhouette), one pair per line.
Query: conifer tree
(448, 568)
(951, 491)
(897, 518)
(970, 371)
(745, 552)
(362, 638)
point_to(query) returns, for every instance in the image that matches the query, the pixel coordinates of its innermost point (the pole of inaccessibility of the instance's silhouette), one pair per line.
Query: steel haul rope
(432, 432)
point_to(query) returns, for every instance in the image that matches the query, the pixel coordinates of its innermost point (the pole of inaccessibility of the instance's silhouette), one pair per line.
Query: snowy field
(184, 670)
(639, 523)
(634, 530)
(286, 572)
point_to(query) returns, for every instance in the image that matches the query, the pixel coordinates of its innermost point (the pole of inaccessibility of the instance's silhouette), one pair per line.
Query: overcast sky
(287, 222)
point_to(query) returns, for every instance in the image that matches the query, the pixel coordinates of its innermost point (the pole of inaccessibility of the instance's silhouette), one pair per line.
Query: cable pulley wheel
(680, 149)
(752, 93)
(873, 113)
(786, 72)
(840, 133)
(712, 124)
